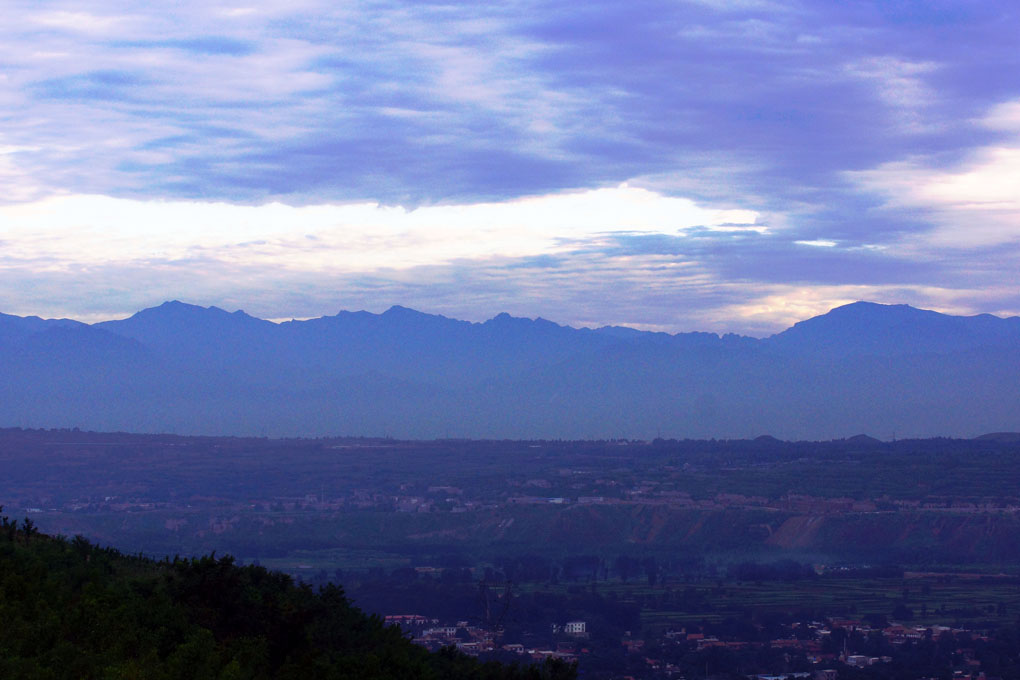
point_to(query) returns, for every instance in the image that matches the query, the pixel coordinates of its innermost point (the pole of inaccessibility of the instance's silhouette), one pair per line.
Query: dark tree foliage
(71, 609)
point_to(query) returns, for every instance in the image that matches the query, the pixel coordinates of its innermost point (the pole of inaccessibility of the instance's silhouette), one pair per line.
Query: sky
(731, 166)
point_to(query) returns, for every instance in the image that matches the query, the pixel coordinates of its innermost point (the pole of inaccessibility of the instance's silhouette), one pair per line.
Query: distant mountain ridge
(870, 328)
(863, 367)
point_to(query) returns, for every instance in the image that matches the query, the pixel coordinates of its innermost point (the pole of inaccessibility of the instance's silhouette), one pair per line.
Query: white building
(575, 628)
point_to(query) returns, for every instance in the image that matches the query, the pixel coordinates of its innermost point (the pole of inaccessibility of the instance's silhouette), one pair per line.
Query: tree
(626, 567)
(28, 528)
(651, 570)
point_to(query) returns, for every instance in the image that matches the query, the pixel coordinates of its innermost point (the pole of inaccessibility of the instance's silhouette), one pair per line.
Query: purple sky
(703, 165)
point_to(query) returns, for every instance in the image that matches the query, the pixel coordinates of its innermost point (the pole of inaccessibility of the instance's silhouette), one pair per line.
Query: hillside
(74, 610)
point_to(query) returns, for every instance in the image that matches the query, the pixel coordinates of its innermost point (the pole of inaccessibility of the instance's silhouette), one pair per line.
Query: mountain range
(885, 370)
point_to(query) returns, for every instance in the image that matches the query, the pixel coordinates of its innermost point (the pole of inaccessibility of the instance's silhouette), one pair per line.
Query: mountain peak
(178, 308)
(505, 319)
(175, 310)
(403, 311)
(876, 310)
(886, 330)
(866, 306)
(182, 325)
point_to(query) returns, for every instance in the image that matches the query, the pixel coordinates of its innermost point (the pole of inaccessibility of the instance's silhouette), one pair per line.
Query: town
(820, 650)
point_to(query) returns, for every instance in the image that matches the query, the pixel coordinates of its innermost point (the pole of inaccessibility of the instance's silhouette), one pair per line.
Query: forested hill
(71, 609)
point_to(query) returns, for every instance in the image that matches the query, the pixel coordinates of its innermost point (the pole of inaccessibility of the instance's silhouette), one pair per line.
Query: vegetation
(71, 609)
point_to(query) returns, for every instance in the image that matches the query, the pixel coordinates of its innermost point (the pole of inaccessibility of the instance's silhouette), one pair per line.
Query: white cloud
(972, 204)
(77, 21)
(1005, 117)
(16, 183)
(899, 80)
(900, 85)
(59, 232)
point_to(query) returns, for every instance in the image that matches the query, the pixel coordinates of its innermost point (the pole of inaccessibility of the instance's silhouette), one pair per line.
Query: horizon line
(647, 328)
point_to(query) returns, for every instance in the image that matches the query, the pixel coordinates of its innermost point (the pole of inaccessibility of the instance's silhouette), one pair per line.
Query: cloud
(900, 85)
(623, 255)
(324, 147)
(196, 45)
(108, 85)
(663, 292)
(95, 230)
(971, 203)
(421, 103)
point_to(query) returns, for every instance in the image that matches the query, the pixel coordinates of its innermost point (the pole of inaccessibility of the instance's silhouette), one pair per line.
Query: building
(575, 628)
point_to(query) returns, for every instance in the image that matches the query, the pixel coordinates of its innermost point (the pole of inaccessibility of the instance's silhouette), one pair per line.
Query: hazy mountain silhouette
(864, 367)
(1006, 437)
(890, 330)
(14, 329)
